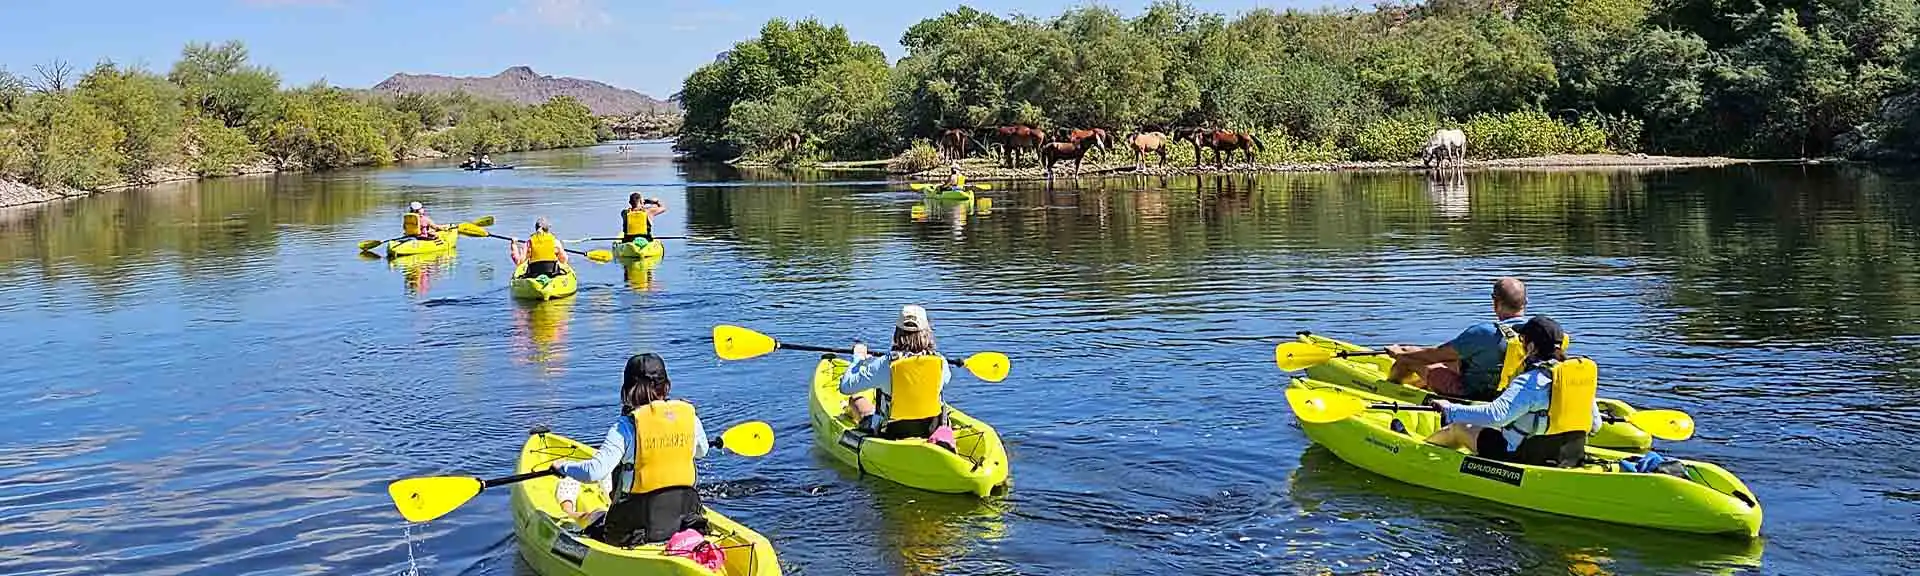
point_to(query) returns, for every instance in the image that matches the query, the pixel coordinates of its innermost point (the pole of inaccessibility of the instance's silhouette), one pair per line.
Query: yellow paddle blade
(1323, 406)
(482, 221)
(983, 205)
(981, 186)
(989, 366)
(471, 229)
(602, 256)
(922, 187)
(423, 499)
(736, 343)
(1291, 356)
(753, 438)
(1664, 424)
(369, 245)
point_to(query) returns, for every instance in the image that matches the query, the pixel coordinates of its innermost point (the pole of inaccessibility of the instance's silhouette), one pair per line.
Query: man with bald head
(1468, 366)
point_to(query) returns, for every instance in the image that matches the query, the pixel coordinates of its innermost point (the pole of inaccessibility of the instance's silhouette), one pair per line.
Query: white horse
(1445, 144)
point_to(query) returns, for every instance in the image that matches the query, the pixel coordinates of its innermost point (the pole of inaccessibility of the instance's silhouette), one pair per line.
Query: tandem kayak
(1710, 501)
(1369, 374)
(977, 465)
(487, 168)
(442, 242)
(543, 287)
(554, 549)
(652, 249)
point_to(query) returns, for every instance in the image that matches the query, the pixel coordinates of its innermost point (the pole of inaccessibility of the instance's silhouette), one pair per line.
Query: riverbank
(14, 194)
(986, 169)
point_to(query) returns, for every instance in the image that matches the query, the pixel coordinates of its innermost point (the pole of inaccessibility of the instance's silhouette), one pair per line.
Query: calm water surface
(205, 379)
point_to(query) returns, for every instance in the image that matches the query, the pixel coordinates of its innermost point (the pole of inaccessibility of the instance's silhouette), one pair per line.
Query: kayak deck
(977, 465)
(441, 242)
(1713, 502)
(543, 287)
(1369, 374)
(652, 249)
(554, 550)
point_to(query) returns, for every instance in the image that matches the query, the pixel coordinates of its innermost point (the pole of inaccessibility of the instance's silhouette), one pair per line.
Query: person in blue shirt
(1468, 366)
(909, 380)
(648, 455)
(1514, 426)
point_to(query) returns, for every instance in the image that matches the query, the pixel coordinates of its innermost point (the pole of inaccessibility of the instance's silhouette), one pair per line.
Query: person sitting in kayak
(542, 252)
(636, 222)
(1541, 419)
(472, 162)
(955, 180)
(910, 380)
(1468, 366)
(486, 161)
(416, 224)
(649, 456)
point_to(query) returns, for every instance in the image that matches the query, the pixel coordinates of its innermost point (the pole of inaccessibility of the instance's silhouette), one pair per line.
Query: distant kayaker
(1468, 366)
(648, 453)
(416, 224)
(956, 180)
(486, 161)
(1520, 426)
(636, 222)
(542, 252)
(909, 378)
(472, 162)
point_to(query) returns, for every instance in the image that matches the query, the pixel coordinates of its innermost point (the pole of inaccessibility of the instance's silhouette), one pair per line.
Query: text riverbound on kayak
(1383, 445)
(1484, 468)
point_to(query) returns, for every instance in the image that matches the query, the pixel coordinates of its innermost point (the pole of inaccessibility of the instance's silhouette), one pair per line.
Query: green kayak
(1710, 500)
(1369, 374)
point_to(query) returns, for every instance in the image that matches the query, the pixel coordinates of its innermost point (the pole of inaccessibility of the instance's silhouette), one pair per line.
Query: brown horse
(1016, 139)
(1221, 141)
(1056, 151)
(1148, 142)
(1101, 141)
(953, 142)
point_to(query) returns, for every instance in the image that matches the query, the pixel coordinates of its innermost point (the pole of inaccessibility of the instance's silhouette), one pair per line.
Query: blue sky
(646, 45)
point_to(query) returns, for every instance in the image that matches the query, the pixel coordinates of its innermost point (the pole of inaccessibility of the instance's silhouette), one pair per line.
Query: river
(204, 378)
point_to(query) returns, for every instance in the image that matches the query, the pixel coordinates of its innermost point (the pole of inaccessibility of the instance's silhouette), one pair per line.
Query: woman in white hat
(910, 379)
(416, 223)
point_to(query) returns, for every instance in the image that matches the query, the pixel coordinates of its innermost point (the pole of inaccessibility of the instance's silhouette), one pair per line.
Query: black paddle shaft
(518, 478)
(849, 351)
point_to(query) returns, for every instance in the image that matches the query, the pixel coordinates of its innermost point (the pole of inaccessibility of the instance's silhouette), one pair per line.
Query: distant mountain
(521, 84)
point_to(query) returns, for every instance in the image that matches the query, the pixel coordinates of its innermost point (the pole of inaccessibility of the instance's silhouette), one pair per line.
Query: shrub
(919, 157)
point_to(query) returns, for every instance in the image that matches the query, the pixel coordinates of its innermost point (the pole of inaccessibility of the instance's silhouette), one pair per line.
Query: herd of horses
(1068, 144)
(1071, 144)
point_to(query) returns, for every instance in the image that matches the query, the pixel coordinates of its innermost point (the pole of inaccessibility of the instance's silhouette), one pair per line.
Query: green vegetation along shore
(1800, 79)
(216, 114)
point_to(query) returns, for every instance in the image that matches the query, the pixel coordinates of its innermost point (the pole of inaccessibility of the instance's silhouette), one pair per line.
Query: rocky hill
(521, 84)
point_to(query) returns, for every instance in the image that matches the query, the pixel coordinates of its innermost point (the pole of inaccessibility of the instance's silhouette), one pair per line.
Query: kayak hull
(979, 468)
(951, 195)
(1716, 503)
(637, 251)
(553, 550)
(1369, 374)
(487, 168)
(442, 242)
(543, 288)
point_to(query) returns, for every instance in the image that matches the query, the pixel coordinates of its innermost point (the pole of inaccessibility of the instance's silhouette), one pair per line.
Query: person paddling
(416, 224)
(1468, 366)
(543, 253)
(1542, 418)
(910, 378)
(648, 455)
(636, 222)
(955, 180)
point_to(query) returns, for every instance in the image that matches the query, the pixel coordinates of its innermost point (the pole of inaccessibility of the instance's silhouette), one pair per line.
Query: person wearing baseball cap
(910, 378)
(416, 224)
(653, 489)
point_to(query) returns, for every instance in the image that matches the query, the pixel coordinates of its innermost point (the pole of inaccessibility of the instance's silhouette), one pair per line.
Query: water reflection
(639, 272)
(542, 333)
(419, 272)
(1450, 194)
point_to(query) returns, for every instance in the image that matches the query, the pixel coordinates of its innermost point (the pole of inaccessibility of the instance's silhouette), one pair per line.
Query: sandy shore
(985, 169)
(20, 194)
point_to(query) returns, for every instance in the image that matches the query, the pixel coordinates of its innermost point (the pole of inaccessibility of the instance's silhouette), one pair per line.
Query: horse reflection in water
(1448, 191)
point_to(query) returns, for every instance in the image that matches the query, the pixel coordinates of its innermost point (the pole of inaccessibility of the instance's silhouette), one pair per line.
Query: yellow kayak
(543, 288)
(652, 249)
(553, 550)
(442, 242)
(978, 465)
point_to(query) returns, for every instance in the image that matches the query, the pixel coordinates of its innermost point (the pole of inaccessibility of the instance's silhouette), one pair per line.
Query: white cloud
(562, 14)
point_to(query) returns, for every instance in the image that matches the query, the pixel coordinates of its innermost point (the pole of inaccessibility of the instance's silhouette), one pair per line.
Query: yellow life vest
(1570, 403)
(663, 445)
(636, 222)
(916, 387)
(1515, 361)
(543, 247)
(410, 224)
(957, 181)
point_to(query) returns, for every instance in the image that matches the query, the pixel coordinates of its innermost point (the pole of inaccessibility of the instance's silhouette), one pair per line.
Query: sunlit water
(204, 378)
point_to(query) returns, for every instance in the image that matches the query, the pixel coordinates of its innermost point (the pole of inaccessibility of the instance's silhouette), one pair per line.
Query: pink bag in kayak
(942, 436)
(695, 546)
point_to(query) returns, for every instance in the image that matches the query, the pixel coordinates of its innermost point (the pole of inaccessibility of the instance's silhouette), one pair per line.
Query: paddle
(598, 256)
(426, 498)
(1325, 406)
(924, 187)
(737, 343)
(369, 245)
(1292, 356)
(617, 238)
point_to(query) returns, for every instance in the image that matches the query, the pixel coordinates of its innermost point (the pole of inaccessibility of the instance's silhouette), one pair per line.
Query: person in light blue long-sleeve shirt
(921, 411)
(1513, 426)
(646, 463)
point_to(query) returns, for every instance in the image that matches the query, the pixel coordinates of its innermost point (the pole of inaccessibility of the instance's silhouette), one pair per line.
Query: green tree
(145, 108)
(218, 81)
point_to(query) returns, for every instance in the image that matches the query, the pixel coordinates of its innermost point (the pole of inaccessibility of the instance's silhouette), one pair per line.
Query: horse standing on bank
(1223, 143)
(1102, 142)
(1016, 139)
(1144, 143)
(952, 143)
(1445, 144)
(1073, 150)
